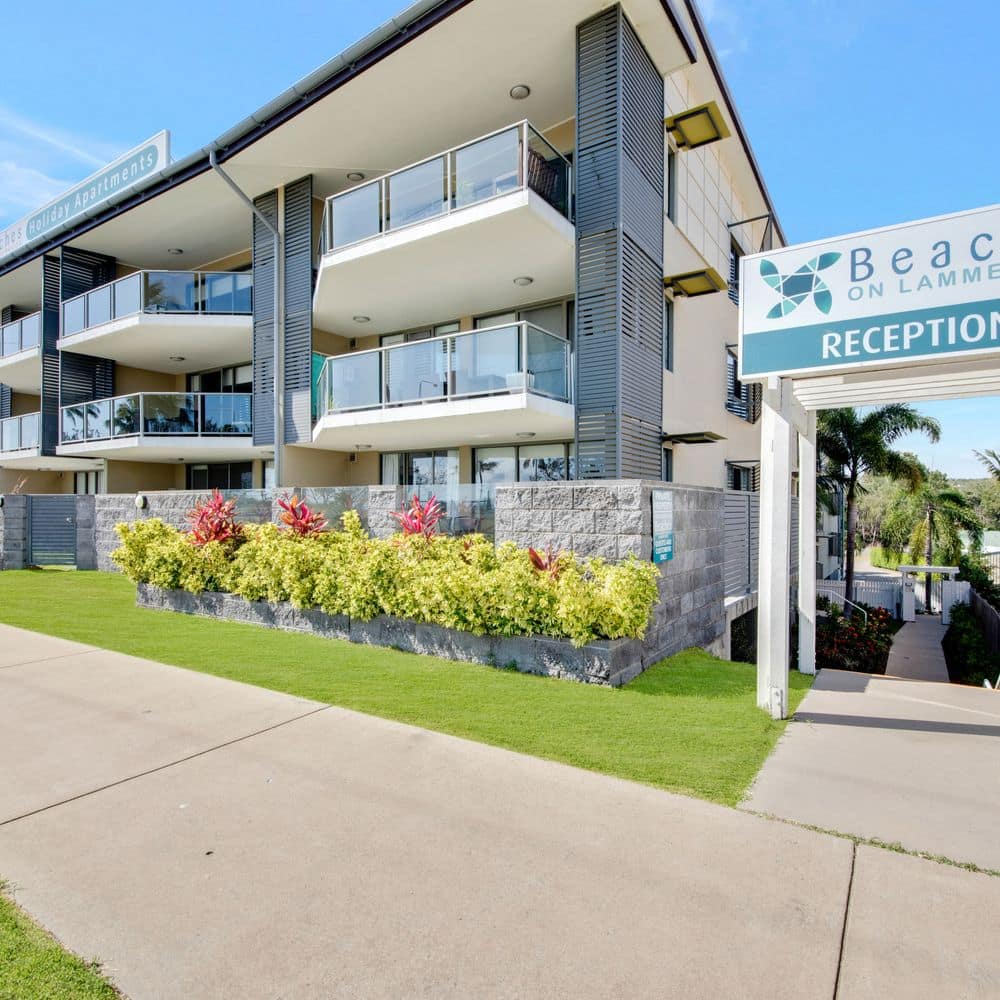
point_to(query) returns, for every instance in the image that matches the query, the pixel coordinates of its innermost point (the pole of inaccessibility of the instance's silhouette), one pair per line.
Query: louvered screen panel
(298, 239)
(263, 320)
(619, 198)
(736, 542)
(51, 281)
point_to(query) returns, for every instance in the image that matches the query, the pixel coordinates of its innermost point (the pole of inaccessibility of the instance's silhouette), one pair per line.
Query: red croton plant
(546, 561)
(214, 520)
(420, 519)
(298, 517)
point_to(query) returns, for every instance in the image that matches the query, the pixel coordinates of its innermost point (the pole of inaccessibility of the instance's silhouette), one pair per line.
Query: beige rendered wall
(23, 402)
(30, 481)
(314, 467)
(139, 380)
(131, 477)
(694, 393)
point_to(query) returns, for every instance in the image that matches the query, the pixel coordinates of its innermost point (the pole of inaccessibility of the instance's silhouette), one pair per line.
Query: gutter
(383, 41)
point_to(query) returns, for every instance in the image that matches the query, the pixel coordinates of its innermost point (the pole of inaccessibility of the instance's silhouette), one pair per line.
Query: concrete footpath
(898, 760)
(916, 651)
(207, 839)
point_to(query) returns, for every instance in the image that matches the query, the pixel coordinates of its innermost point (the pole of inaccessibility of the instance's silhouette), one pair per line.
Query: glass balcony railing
(19, 433)
(22, 335)
(515, 358)
(200, 414)
(218, 293)
(509, 160)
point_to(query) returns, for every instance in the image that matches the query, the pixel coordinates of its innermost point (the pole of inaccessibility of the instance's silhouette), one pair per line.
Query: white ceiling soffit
(23, 287)
(913, 384)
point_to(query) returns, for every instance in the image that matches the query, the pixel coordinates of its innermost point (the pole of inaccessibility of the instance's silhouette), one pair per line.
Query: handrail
(7, 334)
(132, 415)
(525, 131)
(449, 346)
(846, 600)
(138, 299)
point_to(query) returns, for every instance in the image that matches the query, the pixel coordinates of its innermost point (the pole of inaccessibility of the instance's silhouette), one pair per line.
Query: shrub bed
(965, 651)
(851, 644)
(460, 583)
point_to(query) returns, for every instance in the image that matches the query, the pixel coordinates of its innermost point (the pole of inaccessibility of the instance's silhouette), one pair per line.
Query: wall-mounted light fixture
(697, 126)
(141, 502)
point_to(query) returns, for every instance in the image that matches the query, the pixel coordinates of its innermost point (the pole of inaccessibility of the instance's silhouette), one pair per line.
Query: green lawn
(688, 724)
(34, 966)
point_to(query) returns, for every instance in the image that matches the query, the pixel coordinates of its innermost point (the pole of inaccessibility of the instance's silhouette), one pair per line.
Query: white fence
(885, 593)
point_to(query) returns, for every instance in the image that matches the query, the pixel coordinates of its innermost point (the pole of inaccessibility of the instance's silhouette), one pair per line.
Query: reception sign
(125, 172)
(923, 291)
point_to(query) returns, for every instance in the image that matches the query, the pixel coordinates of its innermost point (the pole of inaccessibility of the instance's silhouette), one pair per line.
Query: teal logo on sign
(795, 288)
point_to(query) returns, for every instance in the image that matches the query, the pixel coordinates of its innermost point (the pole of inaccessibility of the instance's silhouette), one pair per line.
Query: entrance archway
(907, 313)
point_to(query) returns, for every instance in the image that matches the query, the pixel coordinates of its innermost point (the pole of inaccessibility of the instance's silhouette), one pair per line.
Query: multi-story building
(495, 240)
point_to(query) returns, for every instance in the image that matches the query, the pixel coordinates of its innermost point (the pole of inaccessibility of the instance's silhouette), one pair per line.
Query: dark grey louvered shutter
(619, 253)
(298, 246)
(263, 320)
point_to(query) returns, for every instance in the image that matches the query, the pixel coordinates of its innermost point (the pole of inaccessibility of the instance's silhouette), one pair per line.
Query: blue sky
(862, 113)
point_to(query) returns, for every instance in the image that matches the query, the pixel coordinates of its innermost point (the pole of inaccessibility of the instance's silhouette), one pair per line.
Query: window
(667, 472)
(86, 482)
(671, 205)
(220, 476)
(529, 463)
(424, 333)
(495, 319)
(420, 468)
(236, 378)
(668, 334)
(735, 253)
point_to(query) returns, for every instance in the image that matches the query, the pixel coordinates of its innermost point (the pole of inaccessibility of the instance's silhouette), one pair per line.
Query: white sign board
(923, 291)
(663, 525)
(128, 170)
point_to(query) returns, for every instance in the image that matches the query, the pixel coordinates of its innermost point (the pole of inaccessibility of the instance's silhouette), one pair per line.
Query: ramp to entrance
(916, 652)
(897, 760)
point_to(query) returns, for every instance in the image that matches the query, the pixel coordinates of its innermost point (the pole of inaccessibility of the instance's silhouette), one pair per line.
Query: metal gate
(52, 530)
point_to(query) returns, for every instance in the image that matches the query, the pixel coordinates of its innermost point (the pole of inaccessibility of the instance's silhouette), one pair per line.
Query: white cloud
(91, 152)
(24, 188)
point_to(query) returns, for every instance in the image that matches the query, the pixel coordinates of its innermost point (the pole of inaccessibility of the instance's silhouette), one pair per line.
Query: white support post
(807, 547)
(774, 583)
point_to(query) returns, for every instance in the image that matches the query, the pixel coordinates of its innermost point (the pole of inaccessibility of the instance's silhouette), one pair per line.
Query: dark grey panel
(619, 213)
(50, 354)
(52, 530)
(299, 244)
(5, 400)
(263, 320)
(82, 270)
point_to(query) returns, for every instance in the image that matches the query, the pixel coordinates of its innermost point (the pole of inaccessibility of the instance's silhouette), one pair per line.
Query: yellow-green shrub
(461, 583)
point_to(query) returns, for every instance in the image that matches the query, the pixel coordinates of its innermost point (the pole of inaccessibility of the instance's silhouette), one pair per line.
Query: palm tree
(854, 443)
(991, 460)
(935, 515)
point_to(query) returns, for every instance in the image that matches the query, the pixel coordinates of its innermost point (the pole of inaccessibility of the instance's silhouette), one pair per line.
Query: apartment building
(495, 240)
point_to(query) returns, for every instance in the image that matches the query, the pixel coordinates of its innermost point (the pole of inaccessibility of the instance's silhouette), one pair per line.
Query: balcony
(162, 427)
(448, 236)
(484, 386)
(167, 321)
(19, 354)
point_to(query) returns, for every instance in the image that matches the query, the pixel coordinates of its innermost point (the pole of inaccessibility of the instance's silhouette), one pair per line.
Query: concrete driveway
(209, 839)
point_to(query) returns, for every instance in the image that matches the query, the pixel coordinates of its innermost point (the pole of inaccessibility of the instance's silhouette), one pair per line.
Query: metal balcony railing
(22, 335)
(197, 414)
(515, 358)
(220, 293)
(19, 433)
(508, 160)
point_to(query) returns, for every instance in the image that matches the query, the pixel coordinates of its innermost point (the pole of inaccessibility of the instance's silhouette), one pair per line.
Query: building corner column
(807, 547)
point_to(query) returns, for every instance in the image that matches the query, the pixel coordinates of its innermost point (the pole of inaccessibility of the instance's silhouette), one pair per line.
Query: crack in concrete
(163, 767)
(843, 928)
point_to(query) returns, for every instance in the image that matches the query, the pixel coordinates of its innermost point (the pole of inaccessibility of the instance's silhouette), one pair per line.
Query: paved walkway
(214, 840)
(898, 760)
(916, 651)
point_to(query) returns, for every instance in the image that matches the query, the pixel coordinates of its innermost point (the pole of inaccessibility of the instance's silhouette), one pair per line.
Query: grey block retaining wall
(14, 532)
(613, 519)
(606, 662)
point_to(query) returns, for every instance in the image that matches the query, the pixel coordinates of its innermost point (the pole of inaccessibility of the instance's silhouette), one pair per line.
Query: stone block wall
(613, 519)
(14, 532)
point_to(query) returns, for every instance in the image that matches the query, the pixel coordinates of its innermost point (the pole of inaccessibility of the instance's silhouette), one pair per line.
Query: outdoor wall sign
(921, 292)
(128, 170)
(663, 525)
